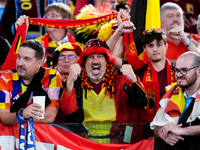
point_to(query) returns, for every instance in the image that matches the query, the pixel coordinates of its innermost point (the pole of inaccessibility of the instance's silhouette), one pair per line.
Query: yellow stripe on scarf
(167, 88)
(179, 99)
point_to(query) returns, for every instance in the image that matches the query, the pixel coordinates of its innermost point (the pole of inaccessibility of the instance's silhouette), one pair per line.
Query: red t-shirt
(173, 51)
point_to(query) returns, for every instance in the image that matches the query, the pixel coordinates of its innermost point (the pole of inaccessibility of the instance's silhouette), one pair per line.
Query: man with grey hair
(172, 19)
(191, 9)
(176, 124)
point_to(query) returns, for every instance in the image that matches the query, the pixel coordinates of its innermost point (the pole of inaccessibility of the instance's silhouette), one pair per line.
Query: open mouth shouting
(96, 69)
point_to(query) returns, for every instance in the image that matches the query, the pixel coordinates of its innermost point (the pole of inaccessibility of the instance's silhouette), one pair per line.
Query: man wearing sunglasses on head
(155, 75)
(176, 124)
(158, 71)
(54, 36)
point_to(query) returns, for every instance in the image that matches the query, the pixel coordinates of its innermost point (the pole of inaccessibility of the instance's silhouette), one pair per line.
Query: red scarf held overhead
(10, 62)
(131, 52)
(70, 24)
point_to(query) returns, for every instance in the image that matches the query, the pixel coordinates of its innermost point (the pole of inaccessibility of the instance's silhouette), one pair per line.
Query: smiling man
(176, 124)
(98, 94)
(18, 86)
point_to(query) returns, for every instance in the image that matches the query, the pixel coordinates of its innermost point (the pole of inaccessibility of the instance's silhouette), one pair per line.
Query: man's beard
(156, 60)
(21, 67)
(190, 81)
(96, 78)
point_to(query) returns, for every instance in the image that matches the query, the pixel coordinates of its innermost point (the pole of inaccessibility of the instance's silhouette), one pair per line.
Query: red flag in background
(131, 52)
(10, 62)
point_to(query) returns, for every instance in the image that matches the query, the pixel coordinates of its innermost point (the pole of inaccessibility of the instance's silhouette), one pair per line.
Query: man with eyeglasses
(54, 36)
(63, 57)
(176, 124)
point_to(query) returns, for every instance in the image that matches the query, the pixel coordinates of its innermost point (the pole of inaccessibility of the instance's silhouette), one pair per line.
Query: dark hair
(150, 37)
(36, 46)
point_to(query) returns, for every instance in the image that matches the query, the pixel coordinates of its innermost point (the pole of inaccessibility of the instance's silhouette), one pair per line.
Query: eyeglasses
(52, 16)
(183, 71)
(153, 30)
(70, 57)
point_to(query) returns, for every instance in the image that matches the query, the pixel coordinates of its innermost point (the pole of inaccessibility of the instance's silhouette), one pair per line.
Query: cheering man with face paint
(100, 95)
(176, 124)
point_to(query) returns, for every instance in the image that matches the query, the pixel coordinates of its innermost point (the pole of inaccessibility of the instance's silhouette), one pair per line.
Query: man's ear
(40, 62)
(166, 47)
(144, 48)
(161, 23)
(198, 71)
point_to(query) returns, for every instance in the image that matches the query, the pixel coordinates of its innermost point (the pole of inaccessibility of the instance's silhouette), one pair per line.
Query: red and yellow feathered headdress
(84, 34)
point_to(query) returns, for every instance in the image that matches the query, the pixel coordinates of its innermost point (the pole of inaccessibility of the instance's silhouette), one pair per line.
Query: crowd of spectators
(97, 83)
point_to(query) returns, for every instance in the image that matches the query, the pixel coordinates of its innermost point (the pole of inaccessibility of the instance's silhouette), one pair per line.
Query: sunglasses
(153, 30)
(70, 57)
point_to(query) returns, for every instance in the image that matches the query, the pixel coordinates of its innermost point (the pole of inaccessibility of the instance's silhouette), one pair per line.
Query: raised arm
(74, 71)
(116, 41)
(123, 27)
(136, 92)
(178, 33)
(21, 20)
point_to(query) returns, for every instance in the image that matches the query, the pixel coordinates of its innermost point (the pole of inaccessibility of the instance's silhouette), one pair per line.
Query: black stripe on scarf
(34, 86)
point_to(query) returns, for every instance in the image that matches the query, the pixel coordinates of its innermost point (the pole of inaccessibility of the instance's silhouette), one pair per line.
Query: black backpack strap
(187, 113)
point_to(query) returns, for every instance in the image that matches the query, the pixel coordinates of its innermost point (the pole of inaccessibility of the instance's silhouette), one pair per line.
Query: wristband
(187, 45)
(19, 115)
(189, 37)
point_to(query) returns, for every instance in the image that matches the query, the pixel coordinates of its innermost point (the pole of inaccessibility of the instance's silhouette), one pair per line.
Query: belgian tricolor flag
(145, 14)
(10, 62)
